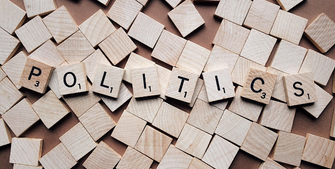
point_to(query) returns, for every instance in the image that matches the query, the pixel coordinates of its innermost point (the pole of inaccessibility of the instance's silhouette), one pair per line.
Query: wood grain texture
(60, 24)
(269, 163)
(2, 74)
(145, 109)
(221, 58)
(26, 151)
(164, 77)
(234, 11)
(105, 2)
(5, 136)
(18, 166)
(197, 90)
(93, 61)
(321, 32)
(7, 88)
(48, 54)
(196, 164)
(114, 104)
(53, 82)
(8, 46)
(319, 151)
(145, 82)
(203, 96)
(58, 157)
(11, 16)
(279, 85)
(288, 4)
(143, 2)
(289, 26)
(39, 7)
(135, 61)
(132, 158)
(72, 79)
(173, 3)
(14, 68)
(332, 128)
(175, 158)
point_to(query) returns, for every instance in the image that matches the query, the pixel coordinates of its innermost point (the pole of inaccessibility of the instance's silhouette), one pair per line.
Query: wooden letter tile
(196, 164)
(145, 82)
(164, 77)
(288, 4)
(234, 11)
(5, 136)
(114, 104)
(26, 151)
(135, 61)
(38, 7)
(18, 166)
(92, 63)
(269, 163)
(145, 109)
(53, 82)
(279, 85)
(221, 58)
(175, 158)
(14, 68)
(3, 74)
(58, 157)
(11, 16)
(8, 46)
(48, 54)
(72, 78)
(7, 88)
(132, 158)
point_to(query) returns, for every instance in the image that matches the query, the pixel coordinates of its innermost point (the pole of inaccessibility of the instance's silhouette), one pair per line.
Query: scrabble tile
(50, 109)
(234, 11)
(299, 89)
(221, 58)
(196, 164)
(143, 2)
(269, 163)
(193, 141)
(233, 127)
(20, 117)
(77, 141)
(205, 121)
(181, 85)
(246, 108)
(288, 4)
(289, 148)
(8, 46)
(321, 32)
(186, 18)
(231, 36)
(197, 90)
(218, 85)
(75, 48)
(53, 82)
(321, 66)
(97, 121)
(36, 75)
(118, 45)
(25, 151)
(193, 58)
(97, 28)
(39, 7)
(135, 61)
(175, 158)
(128, 129)
(7, 88)
(124, 12)
(105, 2)
(259, 86)
(170, 119)
(278, 116)
(168, 48)
(107, 80)
(72, 79)
(133, 158)
(288, 26)
(145, 109)
(319, 151)
(323, 97)
(2, 74)
(218, 104)
(14, 68)
(48, 54)
(92, 63)
(114, 104)
(58, 157)
(241, 69)
(259, 141)
(258, 46)
(5, 136)
(164, 77)
(145, 82)
(288, 57)
(220, 153)
(332, 128)
(146, 30)
(103, 157)
(18, 166)
(279, 85)
(60, 24)
(11, 16)
(261, 15)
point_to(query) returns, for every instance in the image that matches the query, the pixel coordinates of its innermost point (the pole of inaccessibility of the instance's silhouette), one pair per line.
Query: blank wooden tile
(60, 24)
(299, 89)
(234, 11)
(258, 86)
(205, 121)
(289, 26)
(97, 121)
(269, 163)
(288, 57)
(128, 129)
(258, 46)
(48, 54)
(50, 109)
(168, 48)
(114, 104)
(5, 136)
(259, 141)
(164, 77)
(124, 12)
(233, 127)
(218, 104)
(103, 157)
(20, 117)
(7, 88)
(221, 58)
(332, 128)
(186, 18)
(288, 4)
(196, 164)
(173, 3)
(220, 153)
(39, 7)
(26, 151)
(145, 109)
(58, 157)
(72, 78)
(193, 141)
(14, 68)
(78, 141)
(53, 82)
(261, 15)
(92, 63)
(132, 158)
(279, 85)
(8, 46)
(197, 90)
(231, 36)
(175, 158)
(2, 74)
(181, 85)
(321, 66)
(143, 2)
(170, 119)
(319, 151)
(323, 97)
(11, 16)
(321, 32)
(105, 2)
(18, 166)
(193, 58)
(135, 61)
(289, 148)
(145, 82)
(107, 80)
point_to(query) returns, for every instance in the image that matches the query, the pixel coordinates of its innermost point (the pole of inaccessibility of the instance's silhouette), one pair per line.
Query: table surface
(157, 9)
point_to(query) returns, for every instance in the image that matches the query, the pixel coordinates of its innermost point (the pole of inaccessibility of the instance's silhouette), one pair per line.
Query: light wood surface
(173, 3)
(234, 11)
(48, 54)
(38, 7)
(114, 104)
(58, 157)
(53, 82)
(221, 58)
(196, 164)
(279, 85)
(18, 166)
(8, 46)
(133, 158)
(5, 136)
(105, 2)
(288, 4)
(218, 104)
(26, 151)
(135, 61)
(11, 16)
(164, 77)
(92, 63)
(7, 88)
(145, 109)
(175, 158)
(14, 68)
(2, 74)
(269, 163)
(145, 82)
(72, 79)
